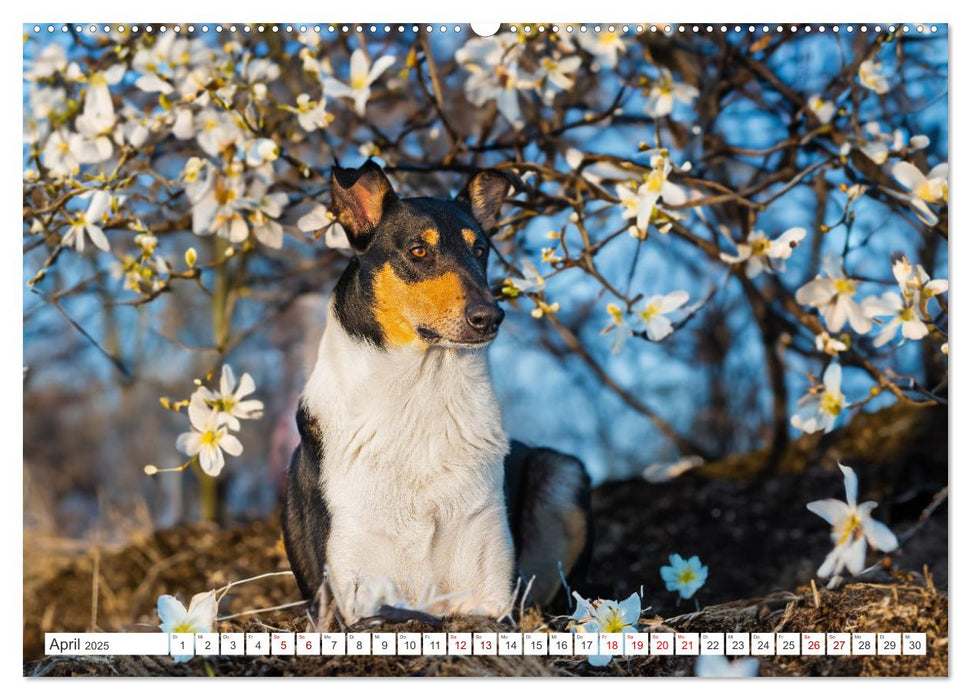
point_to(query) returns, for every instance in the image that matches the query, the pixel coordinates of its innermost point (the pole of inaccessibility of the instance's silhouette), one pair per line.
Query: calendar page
(612, 349)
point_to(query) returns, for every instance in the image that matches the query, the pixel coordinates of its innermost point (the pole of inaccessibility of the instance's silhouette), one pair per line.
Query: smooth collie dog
(405, 487)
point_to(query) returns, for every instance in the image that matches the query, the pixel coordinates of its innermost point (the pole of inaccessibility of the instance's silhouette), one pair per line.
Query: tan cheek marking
(430, 236)
(400, 306)
(469, 236)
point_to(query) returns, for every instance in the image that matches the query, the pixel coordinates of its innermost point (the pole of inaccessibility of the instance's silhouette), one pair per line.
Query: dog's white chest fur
(412, 475)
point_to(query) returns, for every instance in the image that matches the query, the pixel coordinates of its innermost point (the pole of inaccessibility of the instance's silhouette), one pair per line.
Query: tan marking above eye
(430, 236)
(400, 306)
(469, 236)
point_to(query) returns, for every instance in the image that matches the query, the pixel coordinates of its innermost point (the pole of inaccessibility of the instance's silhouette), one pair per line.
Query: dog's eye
(419, 251)
(478, 251)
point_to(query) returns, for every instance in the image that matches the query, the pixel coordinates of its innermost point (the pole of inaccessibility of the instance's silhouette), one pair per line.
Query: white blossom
(852, 528)
(208, 439)
(819, 409)
(824, 110)
(664, 92)
(871, 77)
(363, 74)
(760, 254)
(604, 46)
(605, 617)
(652, 317)
(89, 222)
(311, 115)
(924, 189)
(229, 402)
(833, 294)
(49, 60)
(642, 204)
(494, 74)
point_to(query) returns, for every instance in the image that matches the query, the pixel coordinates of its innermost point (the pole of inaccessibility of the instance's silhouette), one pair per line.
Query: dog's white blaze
(413, 474)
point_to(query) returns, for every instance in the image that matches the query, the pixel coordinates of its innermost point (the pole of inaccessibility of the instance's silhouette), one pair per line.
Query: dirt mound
(747, 523)
(901, 605)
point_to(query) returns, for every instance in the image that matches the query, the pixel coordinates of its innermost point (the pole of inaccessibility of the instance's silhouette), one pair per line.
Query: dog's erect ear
(359, 198)
(485, 194)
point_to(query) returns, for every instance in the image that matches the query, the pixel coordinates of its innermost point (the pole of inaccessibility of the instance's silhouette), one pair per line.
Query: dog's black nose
(485, 318)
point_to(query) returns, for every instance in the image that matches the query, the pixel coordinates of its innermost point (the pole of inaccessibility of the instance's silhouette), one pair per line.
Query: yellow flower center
(831, 403)
(607, 38)
(844, 286)
(927, 192)
(210, 437)
(359, 82)
(613, 622)
(225, 195)
(655, 181)
(182, 628)
(907, 314)
(615, 313)
(760, 246)
(687, 576)
(650, 312)
(845, 528)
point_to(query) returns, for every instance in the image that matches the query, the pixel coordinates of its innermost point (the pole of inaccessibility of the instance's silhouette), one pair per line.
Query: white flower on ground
(830, 345)
(853, 528)
(823, 109)
(604, 46)
(642, 204)
(710, 666)
(207, 439)
(763, 255)
(363, 74)
(605, 616)
(924, 189)
(686, 576)
(89, 222)
(661, 97)
(871, 78)
(492, 64)
(228, 402)
(819, 409)
(651, 318)
(833, 296)
(200, 618)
